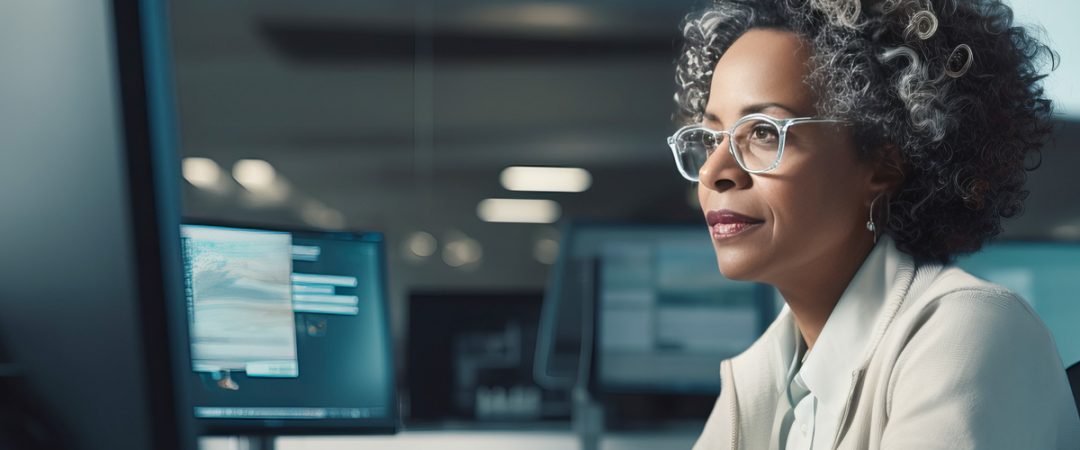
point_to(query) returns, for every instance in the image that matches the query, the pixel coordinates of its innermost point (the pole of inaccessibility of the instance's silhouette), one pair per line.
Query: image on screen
(239, 301)
(288, 329)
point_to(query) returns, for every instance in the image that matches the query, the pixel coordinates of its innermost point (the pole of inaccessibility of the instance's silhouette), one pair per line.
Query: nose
(721, 172)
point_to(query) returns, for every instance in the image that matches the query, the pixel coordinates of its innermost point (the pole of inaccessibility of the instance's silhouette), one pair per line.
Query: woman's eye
(764, 133)
(710, 144)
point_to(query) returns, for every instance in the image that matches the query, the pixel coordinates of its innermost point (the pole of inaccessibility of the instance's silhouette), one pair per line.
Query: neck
(814, 290)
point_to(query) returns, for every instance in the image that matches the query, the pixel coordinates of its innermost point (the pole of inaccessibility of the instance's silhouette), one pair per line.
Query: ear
(888, 171)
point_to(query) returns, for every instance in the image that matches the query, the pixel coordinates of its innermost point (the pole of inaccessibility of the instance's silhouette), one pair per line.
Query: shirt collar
(828, 370)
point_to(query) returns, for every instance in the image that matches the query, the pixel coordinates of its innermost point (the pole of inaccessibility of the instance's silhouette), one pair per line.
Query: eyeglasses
(756, 141)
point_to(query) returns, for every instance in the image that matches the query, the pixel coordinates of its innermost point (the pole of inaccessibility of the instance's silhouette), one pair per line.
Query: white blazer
(952, 362)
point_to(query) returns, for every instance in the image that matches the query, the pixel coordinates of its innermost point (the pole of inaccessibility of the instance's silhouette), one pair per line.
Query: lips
(727, 217)
(726, 223)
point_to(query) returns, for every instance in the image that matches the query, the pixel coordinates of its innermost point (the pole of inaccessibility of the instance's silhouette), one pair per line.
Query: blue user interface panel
(664, 314)
(288, 329)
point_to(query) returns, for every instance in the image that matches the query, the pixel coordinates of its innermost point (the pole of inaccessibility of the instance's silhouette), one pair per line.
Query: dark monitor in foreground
(289, 331)
(90, 286)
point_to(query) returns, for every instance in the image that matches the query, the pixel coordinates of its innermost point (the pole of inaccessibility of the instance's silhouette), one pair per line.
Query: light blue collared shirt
(817, 388)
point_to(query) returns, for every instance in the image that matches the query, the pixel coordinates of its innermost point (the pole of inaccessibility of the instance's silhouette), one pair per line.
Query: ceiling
(401, 115)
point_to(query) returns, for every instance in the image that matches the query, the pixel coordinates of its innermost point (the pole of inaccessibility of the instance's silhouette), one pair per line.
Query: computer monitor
(289, 331)
(650, 308)
(664, 316)
(90, 350)
(1046, 274)
(470, 358)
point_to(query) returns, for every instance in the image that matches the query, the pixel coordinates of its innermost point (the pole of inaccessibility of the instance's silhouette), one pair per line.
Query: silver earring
(870, 223)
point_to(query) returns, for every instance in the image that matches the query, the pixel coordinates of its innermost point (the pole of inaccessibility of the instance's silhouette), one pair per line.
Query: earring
(870, 223)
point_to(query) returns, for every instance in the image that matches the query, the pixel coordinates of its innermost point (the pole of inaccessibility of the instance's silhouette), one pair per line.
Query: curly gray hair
(953, 84)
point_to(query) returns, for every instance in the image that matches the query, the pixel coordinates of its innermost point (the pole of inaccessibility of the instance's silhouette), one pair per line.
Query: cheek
(815, 198)
(798, 210)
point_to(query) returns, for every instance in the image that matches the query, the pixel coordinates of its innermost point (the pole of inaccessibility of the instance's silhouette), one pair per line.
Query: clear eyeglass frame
(781, 124)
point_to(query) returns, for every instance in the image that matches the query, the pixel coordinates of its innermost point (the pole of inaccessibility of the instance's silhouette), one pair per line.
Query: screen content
(288, 327)
(666, 317)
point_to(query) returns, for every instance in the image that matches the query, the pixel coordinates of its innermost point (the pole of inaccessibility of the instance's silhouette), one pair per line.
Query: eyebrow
(751, 109)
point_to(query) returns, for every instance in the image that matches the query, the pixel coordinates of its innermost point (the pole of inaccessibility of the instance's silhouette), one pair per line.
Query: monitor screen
(289, 330)
(1045, 274)
(664, 315)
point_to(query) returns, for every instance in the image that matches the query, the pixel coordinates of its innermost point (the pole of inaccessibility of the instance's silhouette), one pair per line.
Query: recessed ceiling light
(518, 210)
(546, 179)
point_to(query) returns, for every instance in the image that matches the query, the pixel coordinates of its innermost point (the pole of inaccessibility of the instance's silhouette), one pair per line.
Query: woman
(846, 152)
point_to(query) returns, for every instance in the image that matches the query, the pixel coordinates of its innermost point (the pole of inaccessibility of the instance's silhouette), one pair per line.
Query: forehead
(762, 66)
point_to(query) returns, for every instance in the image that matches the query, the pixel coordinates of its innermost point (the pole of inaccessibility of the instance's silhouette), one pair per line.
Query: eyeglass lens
(757, 146)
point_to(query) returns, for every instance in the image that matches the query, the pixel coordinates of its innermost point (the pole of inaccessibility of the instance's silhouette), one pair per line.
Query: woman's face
(813, 207)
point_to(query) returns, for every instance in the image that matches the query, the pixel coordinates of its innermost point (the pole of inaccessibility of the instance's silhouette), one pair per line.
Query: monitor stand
(587, 411)
(588, 419)
(255, 442)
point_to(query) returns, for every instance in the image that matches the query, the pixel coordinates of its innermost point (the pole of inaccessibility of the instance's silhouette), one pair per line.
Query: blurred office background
(407, 117)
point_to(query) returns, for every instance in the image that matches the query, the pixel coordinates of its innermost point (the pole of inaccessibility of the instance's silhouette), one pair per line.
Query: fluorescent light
(254, 174)
(546, 179)
(551, 15)
(534, 15)
(202, 173)
(518, 210)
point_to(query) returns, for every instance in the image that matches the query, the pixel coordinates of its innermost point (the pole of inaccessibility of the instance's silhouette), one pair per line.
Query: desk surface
(473, 440)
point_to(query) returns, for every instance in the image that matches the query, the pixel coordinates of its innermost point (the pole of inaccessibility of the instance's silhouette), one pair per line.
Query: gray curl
(920, 93)
(923, 24)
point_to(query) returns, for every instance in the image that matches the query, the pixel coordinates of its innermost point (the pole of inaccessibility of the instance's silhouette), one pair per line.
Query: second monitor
(665, 317)
(289, 331)
(647, 309)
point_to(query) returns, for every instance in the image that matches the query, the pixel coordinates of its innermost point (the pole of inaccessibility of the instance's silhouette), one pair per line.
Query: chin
(738, 266)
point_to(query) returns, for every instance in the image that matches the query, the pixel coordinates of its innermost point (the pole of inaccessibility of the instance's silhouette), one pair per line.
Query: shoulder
(969, 362)
(962, 323)
(969, 303)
